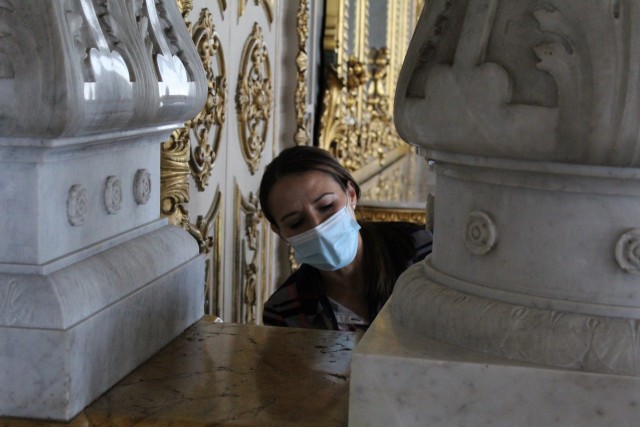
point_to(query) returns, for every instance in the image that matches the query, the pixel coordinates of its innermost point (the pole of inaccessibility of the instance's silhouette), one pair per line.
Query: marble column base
(68, 336)
(400, 377)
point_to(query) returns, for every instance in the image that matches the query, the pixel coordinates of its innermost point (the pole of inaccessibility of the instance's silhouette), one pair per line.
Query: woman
(347, 270)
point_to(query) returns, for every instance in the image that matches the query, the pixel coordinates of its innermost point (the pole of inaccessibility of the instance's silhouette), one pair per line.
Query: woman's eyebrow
(317, 199)
(328, 193)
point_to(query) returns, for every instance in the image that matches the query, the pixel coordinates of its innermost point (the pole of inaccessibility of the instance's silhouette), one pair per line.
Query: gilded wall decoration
(249, 230)
(368, 213)
(357, 121)
(179, 160)
(301, 136)
(174, 177)
(207, 126)
(254, 98)
(208, 232)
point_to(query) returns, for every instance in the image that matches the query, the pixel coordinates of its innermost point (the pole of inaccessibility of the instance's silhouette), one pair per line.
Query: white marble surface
(402, 378)
(523, 79)
(71, 69)
(92, 281)
(42, 185)
(68, 337)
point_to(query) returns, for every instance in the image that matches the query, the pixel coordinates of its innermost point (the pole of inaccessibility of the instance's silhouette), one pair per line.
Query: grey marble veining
(92, 281)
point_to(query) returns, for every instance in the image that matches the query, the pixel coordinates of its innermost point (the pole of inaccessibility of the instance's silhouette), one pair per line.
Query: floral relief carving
(207, 126)
(563, 339)
(254, 98)
(480, 233)
(627, 251)
(77, 205)
(12, 309)
(142, 186)
(112, 195)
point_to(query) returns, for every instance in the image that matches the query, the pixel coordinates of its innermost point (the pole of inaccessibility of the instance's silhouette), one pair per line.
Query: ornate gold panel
(254, 98)
(301, 137)
(174, 177)
(192, 150)
(357, 118)
(207, 126)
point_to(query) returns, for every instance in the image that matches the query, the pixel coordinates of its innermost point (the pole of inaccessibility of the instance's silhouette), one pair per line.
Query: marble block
(405, 379)
(68, 336)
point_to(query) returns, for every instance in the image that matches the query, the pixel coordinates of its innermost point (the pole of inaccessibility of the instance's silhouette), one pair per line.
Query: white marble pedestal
(400, 378)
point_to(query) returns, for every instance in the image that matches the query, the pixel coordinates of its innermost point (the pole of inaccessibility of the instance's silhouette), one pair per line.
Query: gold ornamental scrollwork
(208, 124)
(248, 234)
(178, 159)
(254, 98)
(301, 136)
(174, 177)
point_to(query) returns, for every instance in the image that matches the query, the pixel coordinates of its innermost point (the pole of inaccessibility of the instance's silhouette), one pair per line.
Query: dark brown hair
(297, 160)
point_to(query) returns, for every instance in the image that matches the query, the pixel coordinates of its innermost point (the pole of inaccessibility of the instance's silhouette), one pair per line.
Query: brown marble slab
(220, 374)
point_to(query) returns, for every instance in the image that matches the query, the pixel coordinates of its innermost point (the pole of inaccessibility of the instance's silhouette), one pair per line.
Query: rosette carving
(480, 233)
(112, 195)
(254, 98)
(77, 205)
(142, 186)
(627, 251)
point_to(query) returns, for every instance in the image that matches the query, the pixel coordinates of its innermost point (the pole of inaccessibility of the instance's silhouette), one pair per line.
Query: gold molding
(366, 213)
(247, 237)
(208, 232)
(254, 98)
(301, 136)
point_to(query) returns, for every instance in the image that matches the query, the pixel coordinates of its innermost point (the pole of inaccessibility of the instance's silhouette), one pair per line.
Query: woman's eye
(326, 207)
(295, 224)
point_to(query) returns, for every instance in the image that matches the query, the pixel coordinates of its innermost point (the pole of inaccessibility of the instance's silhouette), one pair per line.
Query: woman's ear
(351, 194)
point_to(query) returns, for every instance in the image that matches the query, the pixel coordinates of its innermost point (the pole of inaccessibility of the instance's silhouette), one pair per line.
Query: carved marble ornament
(77, 205)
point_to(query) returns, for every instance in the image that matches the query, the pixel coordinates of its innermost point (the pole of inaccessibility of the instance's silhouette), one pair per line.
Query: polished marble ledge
(228, 374)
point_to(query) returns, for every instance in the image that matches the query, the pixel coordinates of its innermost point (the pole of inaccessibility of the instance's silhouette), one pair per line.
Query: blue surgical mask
(329, 246)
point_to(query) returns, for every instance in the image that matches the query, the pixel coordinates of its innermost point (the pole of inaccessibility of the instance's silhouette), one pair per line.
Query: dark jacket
(301, 301)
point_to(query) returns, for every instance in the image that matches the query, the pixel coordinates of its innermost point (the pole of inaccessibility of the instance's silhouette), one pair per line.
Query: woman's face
(300, 202)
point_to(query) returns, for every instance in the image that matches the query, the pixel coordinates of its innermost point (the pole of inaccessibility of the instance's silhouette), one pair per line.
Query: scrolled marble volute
(78, 67)
(551, 80)
(529, 110)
